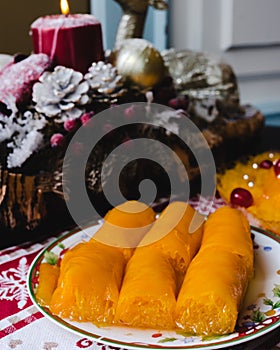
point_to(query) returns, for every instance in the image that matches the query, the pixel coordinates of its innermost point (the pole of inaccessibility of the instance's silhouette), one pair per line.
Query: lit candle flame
(64, 7)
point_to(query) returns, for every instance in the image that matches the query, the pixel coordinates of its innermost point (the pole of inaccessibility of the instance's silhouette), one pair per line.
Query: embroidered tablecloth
(23, 327)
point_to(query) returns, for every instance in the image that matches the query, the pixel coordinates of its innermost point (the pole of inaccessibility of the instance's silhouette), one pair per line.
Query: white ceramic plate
(260, 314)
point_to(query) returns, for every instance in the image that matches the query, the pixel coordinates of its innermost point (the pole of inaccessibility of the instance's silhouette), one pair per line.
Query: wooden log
(21, 201)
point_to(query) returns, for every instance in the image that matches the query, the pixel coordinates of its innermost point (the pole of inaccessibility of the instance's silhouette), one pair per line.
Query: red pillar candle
(73, 41)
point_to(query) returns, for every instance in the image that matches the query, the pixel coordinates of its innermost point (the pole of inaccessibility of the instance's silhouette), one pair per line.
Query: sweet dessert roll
(177, 233)
(147, 298)
(88, 286)
(154, 273)
(48, 282)
(212, 292)
(218, 276)
(91, 273)
(229, 229)
(125, 226)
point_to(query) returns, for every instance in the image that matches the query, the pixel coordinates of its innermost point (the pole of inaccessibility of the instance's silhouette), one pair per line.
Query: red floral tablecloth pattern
(22, 326)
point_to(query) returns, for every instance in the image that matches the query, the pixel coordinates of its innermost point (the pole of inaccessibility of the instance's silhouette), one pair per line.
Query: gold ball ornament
(139, 62)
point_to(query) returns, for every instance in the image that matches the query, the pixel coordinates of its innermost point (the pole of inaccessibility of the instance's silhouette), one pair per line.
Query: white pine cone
(60, 93)
(104, 78)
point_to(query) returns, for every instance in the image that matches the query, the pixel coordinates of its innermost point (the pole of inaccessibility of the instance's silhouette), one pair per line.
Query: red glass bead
(57, 140)
(277, 168)
(71, 125)
(86, 119)
(241, 197)
(178, 103)
(266, 164)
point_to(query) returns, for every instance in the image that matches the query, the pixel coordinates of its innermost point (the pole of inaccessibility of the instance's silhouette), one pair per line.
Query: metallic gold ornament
(200, 75)
(140, 63)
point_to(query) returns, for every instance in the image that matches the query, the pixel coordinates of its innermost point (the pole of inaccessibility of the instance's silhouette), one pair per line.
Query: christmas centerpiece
(43, 102)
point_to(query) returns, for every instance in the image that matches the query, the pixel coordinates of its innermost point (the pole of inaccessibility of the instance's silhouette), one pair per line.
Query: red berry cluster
(71, 125)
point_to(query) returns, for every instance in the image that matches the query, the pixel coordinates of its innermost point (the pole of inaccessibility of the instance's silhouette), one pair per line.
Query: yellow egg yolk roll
(48, 281)
(126, 225)
(218, 276)
(91, 273)
(147, 298)
(229, 229)
(89, 283)
(155, 271)
(211, 294)
(172, 235)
